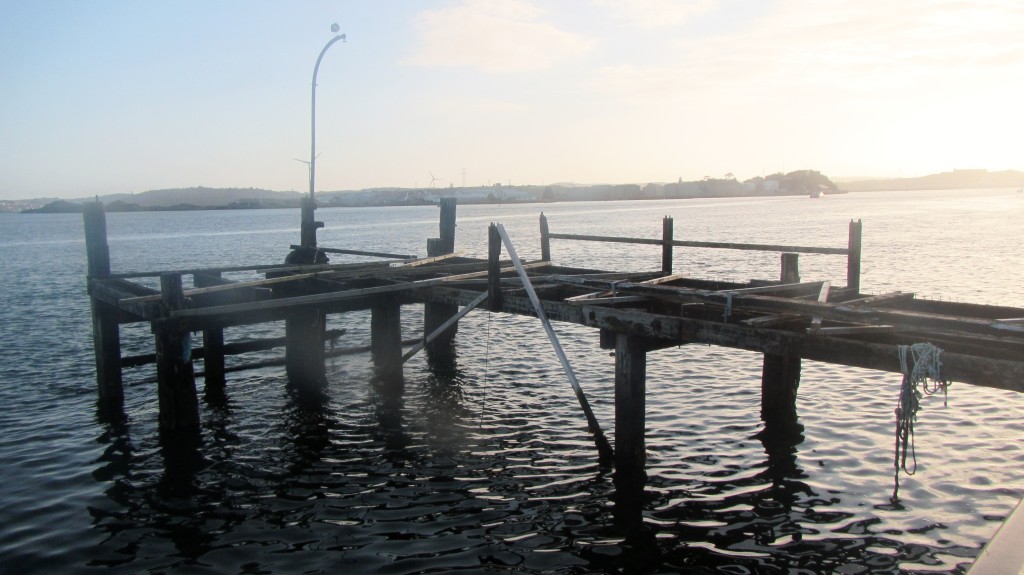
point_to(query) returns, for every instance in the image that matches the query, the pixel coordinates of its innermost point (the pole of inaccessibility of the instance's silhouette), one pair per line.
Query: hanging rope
(921, 365)
(487, 366)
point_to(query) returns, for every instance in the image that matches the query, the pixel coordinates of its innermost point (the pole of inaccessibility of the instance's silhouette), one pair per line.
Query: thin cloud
(852, 45)
(492, 36)
(658, 13)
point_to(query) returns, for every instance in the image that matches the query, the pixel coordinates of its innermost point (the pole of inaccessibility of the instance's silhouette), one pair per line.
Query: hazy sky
(122, 96)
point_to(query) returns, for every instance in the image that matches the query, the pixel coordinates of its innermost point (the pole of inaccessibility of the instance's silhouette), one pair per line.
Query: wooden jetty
(784, 317)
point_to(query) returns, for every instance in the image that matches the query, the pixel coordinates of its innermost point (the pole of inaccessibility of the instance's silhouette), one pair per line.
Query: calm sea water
(488, 467)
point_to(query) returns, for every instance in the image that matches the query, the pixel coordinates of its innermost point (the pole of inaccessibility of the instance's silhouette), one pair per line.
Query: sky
(111, 96)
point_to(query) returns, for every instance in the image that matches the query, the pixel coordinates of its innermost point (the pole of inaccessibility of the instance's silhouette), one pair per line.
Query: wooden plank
(360, 253)
(853, 330)
(881, 299)
(808, 287)
(772, 320)
(424, 261)
(822, 298)
(592, 299)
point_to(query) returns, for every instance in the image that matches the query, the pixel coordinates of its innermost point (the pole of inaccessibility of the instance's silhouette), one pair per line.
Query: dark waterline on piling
(490, 465)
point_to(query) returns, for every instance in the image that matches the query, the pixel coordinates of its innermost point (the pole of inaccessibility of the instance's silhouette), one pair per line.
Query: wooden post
(780, 379)
(780, 374)
(853, 257)
(545, 239)
(494, 298)
(176, 385)
(106, 336)
(304, 349)
(386, 344)
(666, 246)
(790, 268)
(308, 225)
(630, 412)
(213, 345)
(436, 314)
(447, 226)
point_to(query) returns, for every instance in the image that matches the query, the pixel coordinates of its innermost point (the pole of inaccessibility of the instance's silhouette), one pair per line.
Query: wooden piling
(436, 314)
(666, 246)
(545, 239)
(106, 335)
(494, 297)
(780, 374)
(176, 386)
(213, 345)
(790, 268)
(630, 421)
(304, 349)
(447, 226)
(386, 345)
(853, 257)
(308, 223)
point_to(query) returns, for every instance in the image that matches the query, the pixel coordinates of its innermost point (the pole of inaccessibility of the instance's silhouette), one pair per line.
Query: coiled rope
(921, 365)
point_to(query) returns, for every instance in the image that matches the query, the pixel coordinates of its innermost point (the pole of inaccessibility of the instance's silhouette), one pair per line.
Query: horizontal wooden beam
(713, 245)
(262, 268)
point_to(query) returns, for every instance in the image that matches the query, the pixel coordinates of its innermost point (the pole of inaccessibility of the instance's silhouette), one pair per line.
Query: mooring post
(630, 414)
(666, 245)
(545, 239)
(436, 314)
(494, 298)
(213, 344)
(176, 385)
(853, 257)
(780, 374)
(386, 344)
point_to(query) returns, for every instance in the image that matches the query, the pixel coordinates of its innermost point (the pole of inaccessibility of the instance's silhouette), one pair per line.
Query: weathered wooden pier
(783, 317)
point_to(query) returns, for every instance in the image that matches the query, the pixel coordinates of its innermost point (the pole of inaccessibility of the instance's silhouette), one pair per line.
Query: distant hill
(955, 180)
(207, 198)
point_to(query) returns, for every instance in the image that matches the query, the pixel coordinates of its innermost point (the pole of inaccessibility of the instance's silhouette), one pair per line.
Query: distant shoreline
(801, 182)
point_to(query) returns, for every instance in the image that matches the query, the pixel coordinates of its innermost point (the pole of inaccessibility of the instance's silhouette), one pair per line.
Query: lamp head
(335, 27)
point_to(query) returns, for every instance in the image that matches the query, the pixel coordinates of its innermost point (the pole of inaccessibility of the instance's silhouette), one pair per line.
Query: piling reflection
(308, 423)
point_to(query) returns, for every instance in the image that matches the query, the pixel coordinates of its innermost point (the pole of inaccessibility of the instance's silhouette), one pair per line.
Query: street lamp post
(309, 226)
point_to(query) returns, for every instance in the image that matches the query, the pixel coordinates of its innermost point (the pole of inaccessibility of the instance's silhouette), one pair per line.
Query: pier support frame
(386, 345)
(106, 334)
(176, 385)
